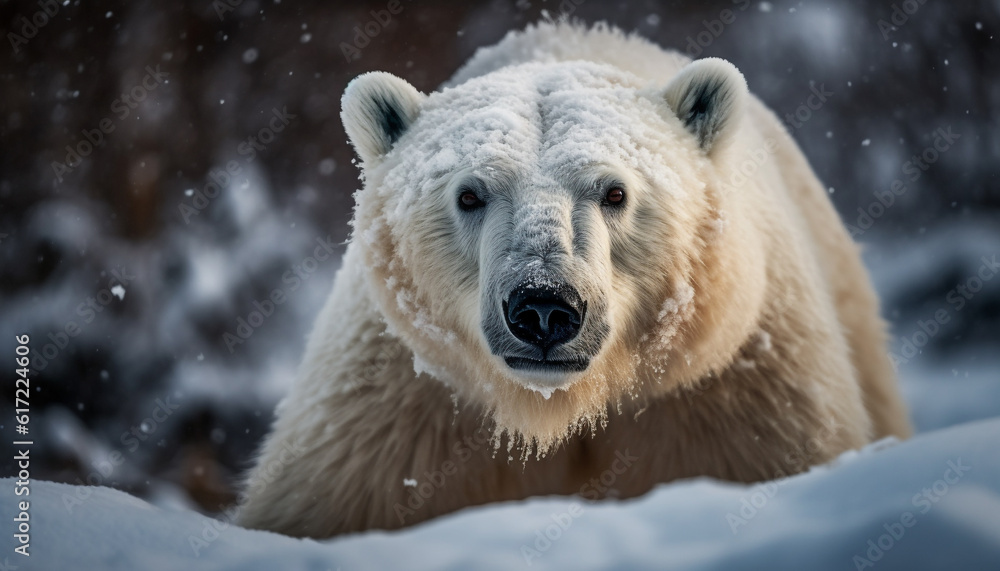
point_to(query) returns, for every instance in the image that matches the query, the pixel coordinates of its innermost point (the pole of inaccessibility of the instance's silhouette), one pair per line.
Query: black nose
(544, 316)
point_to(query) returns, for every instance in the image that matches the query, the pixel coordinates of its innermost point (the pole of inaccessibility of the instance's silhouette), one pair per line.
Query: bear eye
(615, 196)
(468, 200)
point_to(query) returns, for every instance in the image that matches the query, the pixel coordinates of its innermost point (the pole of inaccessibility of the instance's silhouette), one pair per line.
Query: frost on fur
(546, 261)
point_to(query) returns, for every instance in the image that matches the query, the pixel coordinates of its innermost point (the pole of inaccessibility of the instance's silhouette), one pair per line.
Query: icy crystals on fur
(674, 310)
(535, 126)
(530, 117)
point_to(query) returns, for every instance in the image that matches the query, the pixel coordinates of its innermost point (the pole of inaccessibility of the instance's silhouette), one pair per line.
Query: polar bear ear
(708, 96)
(377, 108)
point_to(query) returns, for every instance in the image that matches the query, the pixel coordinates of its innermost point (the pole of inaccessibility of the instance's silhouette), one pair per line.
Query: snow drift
(931, 502)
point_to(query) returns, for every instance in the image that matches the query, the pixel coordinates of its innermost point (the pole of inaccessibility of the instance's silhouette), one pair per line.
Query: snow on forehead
(531, 118)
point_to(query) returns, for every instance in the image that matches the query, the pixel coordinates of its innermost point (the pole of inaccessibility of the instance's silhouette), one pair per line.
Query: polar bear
(584, 266)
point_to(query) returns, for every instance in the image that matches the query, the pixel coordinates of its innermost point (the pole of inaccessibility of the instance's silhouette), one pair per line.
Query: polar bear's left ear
(377, 108)
(708, 96)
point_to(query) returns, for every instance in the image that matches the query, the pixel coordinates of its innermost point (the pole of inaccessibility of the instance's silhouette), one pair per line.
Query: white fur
(683, 283)
(359, 114)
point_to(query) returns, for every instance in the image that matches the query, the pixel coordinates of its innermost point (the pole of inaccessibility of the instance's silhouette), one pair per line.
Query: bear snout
(544, 315)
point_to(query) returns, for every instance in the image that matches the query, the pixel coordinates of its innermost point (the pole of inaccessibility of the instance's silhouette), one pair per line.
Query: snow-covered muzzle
(528, 240)
(543, 310)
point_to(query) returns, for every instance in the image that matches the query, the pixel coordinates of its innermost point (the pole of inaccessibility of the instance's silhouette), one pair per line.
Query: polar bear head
(538, 235)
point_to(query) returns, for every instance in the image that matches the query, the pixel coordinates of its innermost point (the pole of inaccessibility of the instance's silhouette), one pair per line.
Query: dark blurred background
(165, 166)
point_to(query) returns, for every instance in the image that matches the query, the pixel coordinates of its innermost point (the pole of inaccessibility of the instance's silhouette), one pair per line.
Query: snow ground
(932, 502)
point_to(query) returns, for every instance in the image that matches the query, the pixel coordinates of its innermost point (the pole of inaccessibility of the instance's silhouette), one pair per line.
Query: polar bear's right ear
(377, 108)
(708, 96)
